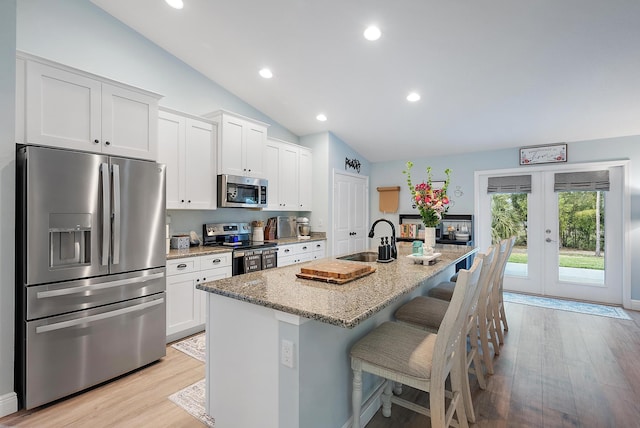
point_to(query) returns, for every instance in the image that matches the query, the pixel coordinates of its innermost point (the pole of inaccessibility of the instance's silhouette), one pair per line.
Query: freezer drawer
(63, 297)
(68, 353)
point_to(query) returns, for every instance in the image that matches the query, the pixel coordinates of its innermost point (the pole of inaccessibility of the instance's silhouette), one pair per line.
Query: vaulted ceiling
(491, 74)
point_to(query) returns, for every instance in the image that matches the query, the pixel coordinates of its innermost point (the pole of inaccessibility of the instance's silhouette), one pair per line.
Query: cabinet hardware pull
(107, 143)
(182, 266)
(96, 141)
(216, 261)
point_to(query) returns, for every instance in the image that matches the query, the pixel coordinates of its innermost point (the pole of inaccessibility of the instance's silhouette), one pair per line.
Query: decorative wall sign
(352, 163)
(551, 153)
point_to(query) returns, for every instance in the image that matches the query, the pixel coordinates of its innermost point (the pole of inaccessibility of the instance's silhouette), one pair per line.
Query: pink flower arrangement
(432, 203)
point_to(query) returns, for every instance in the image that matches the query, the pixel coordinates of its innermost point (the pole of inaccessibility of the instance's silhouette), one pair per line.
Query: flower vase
(429, 237)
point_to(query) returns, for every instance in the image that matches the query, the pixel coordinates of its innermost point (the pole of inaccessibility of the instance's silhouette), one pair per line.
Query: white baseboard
(369, 409)
(8, 404)
(635, 305)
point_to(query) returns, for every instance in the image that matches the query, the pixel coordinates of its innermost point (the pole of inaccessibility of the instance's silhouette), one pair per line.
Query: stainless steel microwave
(235, 191)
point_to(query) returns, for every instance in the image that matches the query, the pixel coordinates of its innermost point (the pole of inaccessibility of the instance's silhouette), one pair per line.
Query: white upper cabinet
(241, 144)
(68, 108)
(287, 166)
(187, 145)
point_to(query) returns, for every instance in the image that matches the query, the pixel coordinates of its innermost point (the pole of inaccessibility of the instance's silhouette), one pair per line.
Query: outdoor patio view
(580, 241)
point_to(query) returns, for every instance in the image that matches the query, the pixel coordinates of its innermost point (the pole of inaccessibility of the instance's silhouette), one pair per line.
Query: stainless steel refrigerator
(90, 275)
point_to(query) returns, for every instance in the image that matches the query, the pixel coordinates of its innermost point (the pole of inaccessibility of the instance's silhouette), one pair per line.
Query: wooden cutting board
(335, 272)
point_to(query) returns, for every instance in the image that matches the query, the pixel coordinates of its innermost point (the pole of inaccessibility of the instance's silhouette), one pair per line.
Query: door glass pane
(509, 218)
(581, 240)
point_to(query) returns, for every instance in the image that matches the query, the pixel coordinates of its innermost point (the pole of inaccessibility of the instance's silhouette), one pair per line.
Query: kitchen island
(278, 346)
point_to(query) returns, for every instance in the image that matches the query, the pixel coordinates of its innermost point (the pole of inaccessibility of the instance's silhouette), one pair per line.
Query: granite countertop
(203, 251)
(342, 305)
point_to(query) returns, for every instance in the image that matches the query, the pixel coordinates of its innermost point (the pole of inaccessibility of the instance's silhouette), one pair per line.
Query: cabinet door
(231, 146)
(171, 153)
(62, 108)
(305, 179)
(271, 168)
(256, 137)
(129, 123)
(200, 171)
(288, 177)
(183, 304)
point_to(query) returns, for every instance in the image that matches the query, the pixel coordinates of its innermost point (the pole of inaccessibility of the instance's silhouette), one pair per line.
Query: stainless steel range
(247, 255)
(90, 273)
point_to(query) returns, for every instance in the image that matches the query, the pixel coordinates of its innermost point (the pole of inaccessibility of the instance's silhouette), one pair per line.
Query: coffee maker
(304, 230)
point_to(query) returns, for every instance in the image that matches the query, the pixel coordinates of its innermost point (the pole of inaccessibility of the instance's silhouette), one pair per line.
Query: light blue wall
(339, 150)
(465, 165)
(7, 198)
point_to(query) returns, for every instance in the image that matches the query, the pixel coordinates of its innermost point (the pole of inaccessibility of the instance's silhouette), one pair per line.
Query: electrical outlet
(286, 353)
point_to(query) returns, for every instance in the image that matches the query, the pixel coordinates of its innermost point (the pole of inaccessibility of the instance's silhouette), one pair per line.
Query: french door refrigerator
(90, 270)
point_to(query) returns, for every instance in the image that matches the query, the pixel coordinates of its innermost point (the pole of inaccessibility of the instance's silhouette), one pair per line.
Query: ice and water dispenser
(69, 240)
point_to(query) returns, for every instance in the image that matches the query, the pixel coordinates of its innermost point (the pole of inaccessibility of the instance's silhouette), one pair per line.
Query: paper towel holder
(389, 199)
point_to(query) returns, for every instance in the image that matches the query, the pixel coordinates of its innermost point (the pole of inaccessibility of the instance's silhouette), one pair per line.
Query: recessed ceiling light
(266, 73)
(176, 4)
(321, 117)
(372, 33)
(413, 97)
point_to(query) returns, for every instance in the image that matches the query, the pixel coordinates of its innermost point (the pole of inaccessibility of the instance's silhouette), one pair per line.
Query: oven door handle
(98, 317)
(101, 286)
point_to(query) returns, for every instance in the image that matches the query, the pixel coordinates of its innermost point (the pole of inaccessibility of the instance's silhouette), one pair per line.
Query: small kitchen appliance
(304, 230)
(236, 191)
(286, 227)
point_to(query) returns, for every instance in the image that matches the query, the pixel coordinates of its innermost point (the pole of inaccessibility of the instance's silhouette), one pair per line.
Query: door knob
(549, 240)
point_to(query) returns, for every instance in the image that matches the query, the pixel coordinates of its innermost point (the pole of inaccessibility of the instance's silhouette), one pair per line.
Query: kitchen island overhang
(253, 320)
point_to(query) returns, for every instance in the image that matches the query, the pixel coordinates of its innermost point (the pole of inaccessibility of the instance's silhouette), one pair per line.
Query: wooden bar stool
(423, 360)
(428, 312)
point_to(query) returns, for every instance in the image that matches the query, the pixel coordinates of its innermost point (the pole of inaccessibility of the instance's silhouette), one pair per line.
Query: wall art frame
(548, 153)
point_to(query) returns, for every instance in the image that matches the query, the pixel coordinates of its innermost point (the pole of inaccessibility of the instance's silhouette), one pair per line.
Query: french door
(570, 241)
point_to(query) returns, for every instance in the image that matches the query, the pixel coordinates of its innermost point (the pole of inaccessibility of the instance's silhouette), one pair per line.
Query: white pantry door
(350, 214)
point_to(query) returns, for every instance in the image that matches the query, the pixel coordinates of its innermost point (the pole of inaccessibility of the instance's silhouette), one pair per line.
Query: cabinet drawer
(214, 274)
(215, 261)
(185, 265)
(317, 246)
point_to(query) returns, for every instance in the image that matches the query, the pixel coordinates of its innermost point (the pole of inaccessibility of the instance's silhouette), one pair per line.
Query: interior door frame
(483, 224)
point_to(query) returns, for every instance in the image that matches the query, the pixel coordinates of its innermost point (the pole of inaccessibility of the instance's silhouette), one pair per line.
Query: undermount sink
(365, 256)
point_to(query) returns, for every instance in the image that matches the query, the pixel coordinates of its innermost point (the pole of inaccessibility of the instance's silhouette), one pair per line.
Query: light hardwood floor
(557, 369)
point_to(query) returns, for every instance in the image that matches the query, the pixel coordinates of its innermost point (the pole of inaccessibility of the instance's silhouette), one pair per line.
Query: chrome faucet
(394, 249)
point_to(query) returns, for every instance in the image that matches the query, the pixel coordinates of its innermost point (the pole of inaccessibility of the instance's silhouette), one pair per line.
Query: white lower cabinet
(290, 254)
(186, 305)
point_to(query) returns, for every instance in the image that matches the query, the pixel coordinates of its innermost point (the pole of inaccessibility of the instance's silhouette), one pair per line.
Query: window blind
(510, 184)
(581, 181)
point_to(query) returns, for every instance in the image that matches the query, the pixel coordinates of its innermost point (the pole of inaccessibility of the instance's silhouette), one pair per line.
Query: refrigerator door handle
(91, 318)
(116, 214)
(110, 284)
(106, 214)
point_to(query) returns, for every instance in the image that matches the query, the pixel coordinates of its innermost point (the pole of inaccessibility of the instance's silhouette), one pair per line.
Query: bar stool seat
(443, 291)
